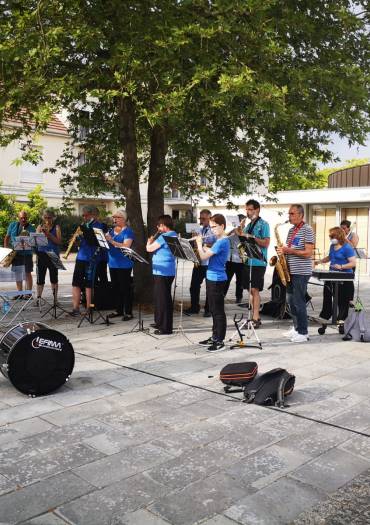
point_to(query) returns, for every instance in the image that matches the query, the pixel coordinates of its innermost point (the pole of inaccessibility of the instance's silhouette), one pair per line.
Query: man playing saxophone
(298, 250)
(23, 258)
(259, 231)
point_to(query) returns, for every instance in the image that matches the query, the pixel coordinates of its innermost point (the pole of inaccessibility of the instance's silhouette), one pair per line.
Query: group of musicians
(219, 259)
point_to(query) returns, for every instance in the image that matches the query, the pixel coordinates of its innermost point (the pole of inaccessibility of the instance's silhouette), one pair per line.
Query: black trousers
(234, 268)
(163, 306)
(197, 277)
(345, 295)
(44, 263)
(122, 283)
(216, 301)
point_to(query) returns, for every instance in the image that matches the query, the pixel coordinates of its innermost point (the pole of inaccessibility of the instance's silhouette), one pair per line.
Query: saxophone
(72, 241)
(279, 261)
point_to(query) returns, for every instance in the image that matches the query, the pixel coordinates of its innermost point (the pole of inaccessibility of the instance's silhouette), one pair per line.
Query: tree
(173, 89)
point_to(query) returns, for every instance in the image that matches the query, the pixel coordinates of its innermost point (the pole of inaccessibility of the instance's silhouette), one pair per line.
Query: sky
(341, 149)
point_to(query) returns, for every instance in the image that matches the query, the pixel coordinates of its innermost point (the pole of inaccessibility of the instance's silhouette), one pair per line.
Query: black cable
(276, 409)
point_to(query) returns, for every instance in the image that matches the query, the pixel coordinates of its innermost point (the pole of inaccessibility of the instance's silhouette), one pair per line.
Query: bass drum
(36, 359)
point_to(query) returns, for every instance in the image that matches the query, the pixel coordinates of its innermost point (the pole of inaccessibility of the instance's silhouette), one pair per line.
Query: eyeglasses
(117, 217)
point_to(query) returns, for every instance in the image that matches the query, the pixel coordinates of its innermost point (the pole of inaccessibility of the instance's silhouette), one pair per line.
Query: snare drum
(36, 359)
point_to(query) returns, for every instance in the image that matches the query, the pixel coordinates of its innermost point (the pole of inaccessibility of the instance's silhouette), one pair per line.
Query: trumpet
(72, 241)
(152, 238)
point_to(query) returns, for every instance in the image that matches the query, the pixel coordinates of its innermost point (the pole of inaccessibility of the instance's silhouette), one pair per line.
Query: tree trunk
(129, 186)
(157, 166)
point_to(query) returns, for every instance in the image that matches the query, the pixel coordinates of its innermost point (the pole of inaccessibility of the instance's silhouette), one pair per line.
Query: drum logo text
(40, 342)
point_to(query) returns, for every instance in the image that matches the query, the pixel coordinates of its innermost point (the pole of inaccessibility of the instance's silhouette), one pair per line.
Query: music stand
(94, 236)
(55, 306)
(181, 249)
(139, 326)
(251, 251)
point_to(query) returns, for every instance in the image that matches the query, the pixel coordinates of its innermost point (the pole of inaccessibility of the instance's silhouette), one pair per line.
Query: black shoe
(153, 325)
(207, 314)
(216, 347)
(256, 323)
(127, 317)
(190, 311)
(243, 305)
(74, 313)
(159, 332)
(206, 342)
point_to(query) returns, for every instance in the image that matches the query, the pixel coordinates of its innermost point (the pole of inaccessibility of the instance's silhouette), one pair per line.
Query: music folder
(181, 248)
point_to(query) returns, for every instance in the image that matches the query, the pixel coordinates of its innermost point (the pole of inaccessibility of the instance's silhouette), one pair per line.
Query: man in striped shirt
(298, 251)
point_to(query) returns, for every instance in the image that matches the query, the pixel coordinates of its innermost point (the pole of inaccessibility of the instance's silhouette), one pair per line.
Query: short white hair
(121, 213)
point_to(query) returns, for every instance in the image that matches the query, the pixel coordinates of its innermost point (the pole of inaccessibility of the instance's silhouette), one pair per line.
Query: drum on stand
(36, 359)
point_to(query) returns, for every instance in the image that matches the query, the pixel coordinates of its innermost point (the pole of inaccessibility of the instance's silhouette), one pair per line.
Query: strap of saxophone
(252, 225)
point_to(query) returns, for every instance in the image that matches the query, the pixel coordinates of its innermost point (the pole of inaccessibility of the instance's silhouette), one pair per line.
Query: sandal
(256, 323)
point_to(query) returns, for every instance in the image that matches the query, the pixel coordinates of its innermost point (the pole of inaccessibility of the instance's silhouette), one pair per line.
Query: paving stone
(75, 414)
(358, 445)
(265, 466)
(331, 470)
(76, 397)
(46, 519)
(142, 516)
(315, 441)
(356, 418)
(123, 465)
(65, 436)
(109, 505)
(38, 498)
(219, 519)
(33, 408)
(199, 500)
(39, 465)
(134, 379)
(277, 504)
(5, 486)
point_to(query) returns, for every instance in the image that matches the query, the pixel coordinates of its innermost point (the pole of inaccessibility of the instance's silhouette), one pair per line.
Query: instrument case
(236, 375)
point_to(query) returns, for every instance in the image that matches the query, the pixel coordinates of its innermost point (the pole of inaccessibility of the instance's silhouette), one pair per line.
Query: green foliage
(35, 205)
(7, 214)
(68, 225)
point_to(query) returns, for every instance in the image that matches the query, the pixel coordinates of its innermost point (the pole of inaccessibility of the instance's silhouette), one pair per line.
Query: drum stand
(251, 331)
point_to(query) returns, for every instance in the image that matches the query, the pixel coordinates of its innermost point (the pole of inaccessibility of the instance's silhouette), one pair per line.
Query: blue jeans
(296, 295)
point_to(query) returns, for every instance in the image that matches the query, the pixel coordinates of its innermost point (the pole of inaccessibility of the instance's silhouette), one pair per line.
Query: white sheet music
(192, 227)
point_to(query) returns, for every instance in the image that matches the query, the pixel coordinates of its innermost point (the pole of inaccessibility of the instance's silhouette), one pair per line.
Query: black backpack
(270, 388)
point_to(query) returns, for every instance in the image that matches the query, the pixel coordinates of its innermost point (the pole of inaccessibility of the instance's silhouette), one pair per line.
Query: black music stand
(55, 306)
(251, 251)
(94, 236)
(139, 326)
(181, 249)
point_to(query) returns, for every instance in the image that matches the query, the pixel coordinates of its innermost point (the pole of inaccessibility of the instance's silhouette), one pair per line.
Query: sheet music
(232, 221)
(4, 252)
(132, 255)
(38, 239)
(100, 237)
(22, 243)
(192, 227)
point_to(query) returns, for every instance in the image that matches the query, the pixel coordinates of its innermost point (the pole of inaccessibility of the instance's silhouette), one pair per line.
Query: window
(31, 173)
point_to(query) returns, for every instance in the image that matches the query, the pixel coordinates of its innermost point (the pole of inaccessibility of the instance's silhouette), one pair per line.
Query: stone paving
(144, 434)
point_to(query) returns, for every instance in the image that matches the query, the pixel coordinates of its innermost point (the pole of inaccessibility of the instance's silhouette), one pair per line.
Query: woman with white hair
(120, 266)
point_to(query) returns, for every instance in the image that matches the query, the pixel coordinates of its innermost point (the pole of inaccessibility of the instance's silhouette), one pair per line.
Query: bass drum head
(40, 362)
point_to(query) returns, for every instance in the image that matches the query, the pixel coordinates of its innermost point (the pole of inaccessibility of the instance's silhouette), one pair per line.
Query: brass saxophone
(72, 241)
(279, 261)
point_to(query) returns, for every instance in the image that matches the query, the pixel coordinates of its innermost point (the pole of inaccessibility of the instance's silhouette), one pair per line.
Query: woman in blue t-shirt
(342, 258)
(120, 266)
(164, 270)
(217, 254)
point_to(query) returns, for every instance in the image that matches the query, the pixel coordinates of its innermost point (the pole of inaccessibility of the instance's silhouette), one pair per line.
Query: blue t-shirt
(208, 239)
(51, 246)
(261, 230)
(217, 262)
(87, 250)
(116, 257)
(163, 262)
(341, 256)
(14, 230)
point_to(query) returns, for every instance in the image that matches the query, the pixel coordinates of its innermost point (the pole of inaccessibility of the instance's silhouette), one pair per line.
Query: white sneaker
(299, 338)
(290, 333)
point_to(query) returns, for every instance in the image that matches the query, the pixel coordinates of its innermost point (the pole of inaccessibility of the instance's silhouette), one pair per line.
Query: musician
(259, 231)
(53, 234)
(164, 270)
(87, 259)
(235, 265)
(199, 272)
(24, 257)
(299, 252)
(217, 255)
(342, 258)
(351, 236)
(120, 266)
